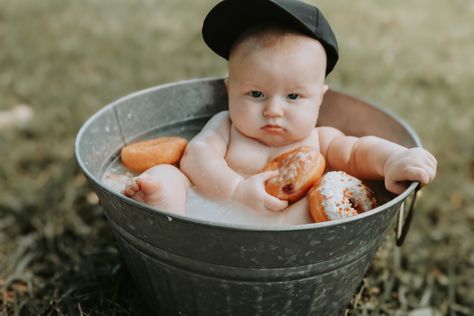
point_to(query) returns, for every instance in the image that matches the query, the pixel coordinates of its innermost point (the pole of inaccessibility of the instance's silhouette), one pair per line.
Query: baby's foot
(149, 190)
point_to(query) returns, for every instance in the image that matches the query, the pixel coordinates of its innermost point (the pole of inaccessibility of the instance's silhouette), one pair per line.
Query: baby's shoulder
(219, 121)
(218, 126)
(222, 114)
(221, 117)
(327, 133)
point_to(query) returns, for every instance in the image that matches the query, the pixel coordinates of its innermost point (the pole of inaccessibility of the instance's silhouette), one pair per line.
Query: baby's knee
(167, 173)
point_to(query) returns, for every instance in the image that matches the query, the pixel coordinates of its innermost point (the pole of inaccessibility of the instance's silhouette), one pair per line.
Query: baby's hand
(251, 192)
(413, 164)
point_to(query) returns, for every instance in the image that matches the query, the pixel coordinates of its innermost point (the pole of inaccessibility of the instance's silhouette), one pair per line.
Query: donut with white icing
(339, 195)
(299, 169)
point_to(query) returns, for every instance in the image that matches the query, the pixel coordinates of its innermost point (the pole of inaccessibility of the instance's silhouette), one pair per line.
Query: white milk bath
(201, 207)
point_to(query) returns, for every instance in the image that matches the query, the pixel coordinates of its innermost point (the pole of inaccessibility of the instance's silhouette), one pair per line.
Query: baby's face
(275, 91)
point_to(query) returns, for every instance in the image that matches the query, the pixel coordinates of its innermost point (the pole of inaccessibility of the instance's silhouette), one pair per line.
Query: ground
(66, 59)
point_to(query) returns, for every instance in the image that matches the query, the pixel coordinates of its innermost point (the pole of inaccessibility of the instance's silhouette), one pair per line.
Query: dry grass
(66, 59)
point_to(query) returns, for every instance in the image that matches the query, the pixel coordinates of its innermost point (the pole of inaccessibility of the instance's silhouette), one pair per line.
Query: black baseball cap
(230, 18)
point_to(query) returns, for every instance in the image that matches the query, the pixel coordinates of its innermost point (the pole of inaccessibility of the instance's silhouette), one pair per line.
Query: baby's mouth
(272, 128)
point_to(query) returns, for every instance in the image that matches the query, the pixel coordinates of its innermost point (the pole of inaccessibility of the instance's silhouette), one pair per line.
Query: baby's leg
(162, 186)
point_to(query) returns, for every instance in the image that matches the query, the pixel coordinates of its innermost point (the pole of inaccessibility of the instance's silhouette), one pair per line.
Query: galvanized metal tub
(194, 267)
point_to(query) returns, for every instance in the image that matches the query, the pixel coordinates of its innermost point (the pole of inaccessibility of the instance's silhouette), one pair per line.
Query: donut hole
(379, 192)
(355, 205)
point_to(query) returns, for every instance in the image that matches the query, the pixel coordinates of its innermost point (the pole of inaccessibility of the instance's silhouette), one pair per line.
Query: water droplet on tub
(129, 116)
(107, 129)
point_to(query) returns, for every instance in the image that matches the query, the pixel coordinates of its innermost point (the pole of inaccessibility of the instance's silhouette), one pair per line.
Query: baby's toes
(148, 186)
(129, 192)
(131, 187)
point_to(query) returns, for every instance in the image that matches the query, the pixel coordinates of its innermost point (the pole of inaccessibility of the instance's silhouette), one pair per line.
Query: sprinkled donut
(339, 195)
(140, 156)
(299, 170)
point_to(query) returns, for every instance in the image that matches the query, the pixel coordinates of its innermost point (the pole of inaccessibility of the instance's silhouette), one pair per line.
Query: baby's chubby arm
(205, 165)
(371, 157)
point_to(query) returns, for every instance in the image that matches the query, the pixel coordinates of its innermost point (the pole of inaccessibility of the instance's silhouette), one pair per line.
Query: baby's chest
(246, 158)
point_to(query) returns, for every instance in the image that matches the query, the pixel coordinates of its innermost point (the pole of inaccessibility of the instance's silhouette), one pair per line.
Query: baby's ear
(324, 89)
(226, 82)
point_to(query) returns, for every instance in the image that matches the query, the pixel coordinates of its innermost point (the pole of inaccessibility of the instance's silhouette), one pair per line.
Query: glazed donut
(339, 195)
(299, 170)
(140, 156)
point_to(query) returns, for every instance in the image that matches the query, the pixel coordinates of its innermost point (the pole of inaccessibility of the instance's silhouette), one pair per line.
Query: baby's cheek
(303, 126)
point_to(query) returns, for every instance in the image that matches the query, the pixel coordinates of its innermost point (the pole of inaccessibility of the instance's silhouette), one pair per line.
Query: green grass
(66, 59)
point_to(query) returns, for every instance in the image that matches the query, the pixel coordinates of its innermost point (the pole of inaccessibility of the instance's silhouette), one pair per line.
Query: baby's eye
(293, 96)
(256, 94)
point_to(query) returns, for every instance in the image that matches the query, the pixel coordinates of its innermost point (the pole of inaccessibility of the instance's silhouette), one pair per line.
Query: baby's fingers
(396, 187)
(399, 184)
(424, 176)
(431, 171)
(266, 175)
(419, 174)
(274, 204)
(431, 163)
(432, 159)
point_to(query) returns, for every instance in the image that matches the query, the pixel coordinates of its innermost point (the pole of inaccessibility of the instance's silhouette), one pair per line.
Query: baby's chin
(275, 140)
(271, 139)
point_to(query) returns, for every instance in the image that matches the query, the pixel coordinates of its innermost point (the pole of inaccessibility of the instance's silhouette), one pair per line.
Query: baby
(279, 53)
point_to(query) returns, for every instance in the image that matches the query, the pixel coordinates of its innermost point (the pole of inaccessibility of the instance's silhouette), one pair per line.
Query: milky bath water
(200, 207)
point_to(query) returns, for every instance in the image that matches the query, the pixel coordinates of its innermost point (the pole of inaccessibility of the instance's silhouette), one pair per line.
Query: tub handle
(403, 224)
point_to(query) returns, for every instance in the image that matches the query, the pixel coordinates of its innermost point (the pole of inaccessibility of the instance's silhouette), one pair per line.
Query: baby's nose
(273, 108)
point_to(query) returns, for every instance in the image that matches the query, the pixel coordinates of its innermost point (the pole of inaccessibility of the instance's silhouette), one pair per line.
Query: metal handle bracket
(403, 224)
